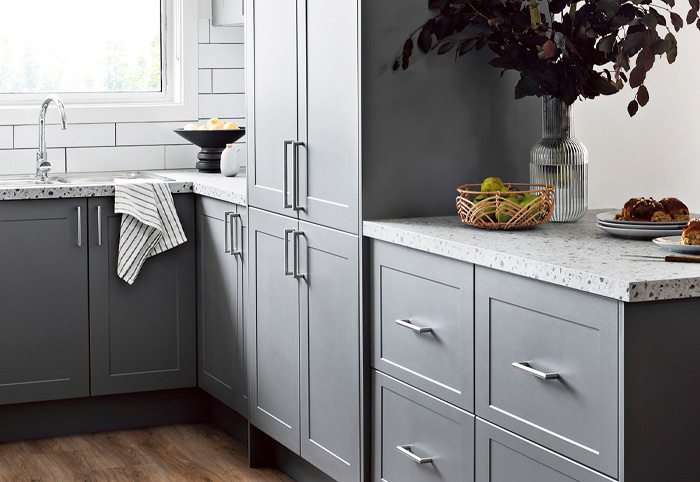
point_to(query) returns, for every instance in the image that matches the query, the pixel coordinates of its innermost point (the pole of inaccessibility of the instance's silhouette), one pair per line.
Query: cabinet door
(43, 300)
(330, 351)
(142, 336)
(220, 273)
(273, 329)
(227, 12)
(272, 120)
(328, 177)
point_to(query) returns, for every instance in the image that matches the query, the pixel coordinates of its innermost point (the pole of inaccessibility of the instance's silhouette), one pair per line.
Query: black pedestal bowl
(211, 144)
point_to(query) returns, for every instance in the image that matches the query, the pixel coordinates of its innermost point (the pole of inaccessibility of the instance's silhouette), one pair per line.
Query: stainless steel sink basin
(104, 177)
(21, 180)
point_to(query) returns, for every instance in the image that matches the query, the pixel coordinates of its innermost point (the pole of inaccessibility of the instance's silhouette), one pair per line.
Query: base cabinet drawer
(546, 366)
(423, 321)
(504, 457)
(417, 437)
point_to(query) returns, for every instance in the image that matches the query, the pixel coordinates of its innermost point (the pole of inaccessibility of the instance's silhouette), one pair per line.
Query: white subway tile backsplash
(226, 35)
(23, 161)
(228, 81)
(181, 157)
(6, 135)
(149, 133)
(203, 30)
(221, 105)
(75, 135)
(205, 82)
(87, 159)
(221, 56)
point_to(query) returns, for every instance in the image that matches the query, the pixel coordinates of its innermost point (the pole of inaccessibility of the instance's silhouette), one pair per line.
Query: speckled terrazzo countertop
(576, 255)
(214, 185)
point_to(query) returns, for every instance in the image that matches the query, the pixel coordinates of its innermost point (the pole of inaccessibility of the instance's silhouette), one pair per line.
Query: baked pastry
(676, 209)
(625, 214)
(649, 210)
(691, 232)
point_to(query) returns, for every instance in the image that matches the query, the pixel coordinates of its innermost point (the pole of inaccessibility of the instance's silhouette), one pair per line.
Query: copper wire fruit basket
(501, 210)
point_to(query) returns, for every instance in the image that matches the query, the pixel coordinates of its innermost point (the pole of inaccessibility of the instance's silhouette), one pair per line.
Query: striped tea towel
(149, 224)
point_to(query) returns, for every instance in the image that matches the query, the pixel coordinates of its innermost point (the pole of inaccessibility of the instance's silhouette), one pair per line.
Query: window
(131, 60)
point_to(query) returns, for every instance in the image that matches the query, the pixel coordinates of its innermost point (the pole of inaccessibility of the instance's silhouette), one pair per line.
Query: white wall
(145, 145)
(657, 152)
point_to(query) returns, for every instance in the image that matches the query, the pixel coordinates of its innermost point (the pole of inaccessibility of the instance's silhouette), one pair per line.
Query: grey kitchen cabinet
(304, 340)
(304, 144)
(504, 457)
(221, 264)
(417, 437)
(546, 364)
(142, 336)
(227, 12)
(423, 321)
(44, 343)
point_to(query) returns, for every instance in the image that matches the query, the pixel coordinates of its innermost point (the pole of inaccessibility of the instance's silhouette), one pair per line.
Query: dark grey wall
(438, 124)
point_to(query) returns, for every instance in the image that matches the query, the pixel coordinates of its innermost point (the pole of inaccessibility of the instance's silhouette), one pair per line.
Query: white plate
(609, 217)
(647, 226)
(673, 243)
(639, 233)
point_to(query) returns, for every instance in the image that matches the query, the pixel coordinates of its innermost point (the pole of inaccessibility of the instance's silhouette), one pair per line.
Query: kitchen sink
(105, 177)
(24, 180)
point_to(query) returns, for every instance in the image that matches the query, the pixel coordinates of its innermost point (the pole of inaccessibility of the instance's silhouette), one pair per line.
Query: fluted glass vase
(561, 160)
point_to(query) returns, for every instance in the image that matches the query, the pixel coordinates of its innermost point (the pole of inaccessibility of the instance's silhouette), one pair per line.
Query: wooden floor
(174, 453)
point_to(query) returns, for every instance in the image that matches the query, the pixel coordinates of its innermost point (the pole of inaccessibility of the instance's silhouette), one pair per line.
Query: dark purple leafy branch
(574, 49)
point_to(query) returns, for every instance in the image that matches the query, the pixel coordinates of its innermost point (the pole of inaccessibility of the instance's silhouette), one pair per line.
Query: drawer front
(425, 427)
(554, 330)
(504, 457)
(422, 290)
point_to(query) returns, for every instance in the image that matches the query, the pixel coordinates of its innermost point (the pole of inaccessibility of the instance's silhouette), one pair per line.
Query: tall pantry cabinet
(304, 359)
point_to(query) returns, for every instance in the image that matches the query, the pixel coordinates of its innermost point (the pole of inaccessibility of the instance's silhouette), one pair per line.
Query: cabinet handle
(411, 326)
(99, 225)
(80, 227)
(243, 7)
(406, 450)
(227, 221)
(295, 247)
(525, 366)
(286, 252)
(236, 247)
(295, 165)
(285, 181)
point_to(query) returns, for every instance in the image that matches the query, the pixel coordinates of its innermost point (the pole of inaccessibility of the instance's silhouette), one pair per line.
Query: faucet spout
(43, 166)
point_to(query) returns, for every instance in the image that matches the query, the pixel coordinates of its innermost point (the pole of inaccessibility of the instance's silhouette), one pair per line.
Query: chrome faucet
(43, 166)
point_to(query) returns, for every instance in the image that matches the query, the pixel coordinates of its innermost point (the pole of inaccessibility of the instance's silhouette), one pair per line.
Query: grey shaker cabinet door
(272, 116)
(504, 457)
(330, 351)
(423, 290)
(44, 346)
(329, 113)
(273, 330)
(407, 421)
(554, 330)
(221, 233)
(142, 336)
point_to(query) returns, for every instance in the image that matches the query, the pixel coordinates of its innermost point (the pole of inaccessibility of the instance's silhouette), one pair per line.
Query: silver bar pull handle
(295, 268)
(242, 7)
(236, 247)
(227, 241)
(80, 227)
(286, 252)
(295, 162)
(285, 181)
(99, 225)
(525, 366)
(406, 450)
(411, 326)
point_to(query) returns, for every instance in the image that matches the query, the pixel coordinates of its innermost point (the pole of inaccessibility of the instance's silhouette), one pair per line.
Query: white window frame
(177, 102)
